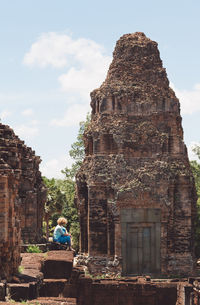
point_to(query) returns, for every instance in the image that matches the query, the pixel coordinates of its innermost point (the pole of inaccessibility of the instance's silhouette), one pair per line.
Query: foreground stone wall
(22, 196)
(10, 237)
(135, 190)
(32, 194)
(123, 294)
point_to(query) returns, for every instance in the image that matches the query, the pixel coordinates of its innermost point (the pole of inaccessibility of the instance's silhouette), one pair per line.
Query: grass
(33, 249)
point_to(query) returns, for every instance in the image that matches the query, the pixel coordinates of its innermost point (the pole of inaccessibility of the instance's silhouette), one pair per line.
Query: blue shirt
(58, 232)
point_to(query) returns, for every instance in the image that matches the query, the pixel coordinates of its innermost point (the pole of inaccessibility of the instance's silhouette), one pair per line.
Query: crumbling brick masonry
(135, 191)
(22, 197)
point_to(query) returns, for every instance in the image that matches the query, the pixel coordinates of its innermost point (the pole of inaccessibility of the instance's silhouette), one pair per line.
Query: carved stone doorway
(140, 241)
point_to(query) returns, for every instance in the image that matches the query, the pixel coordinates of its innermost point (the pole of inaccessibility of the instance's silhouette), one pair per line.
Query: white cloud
(82, 82)
(26, 132)
(60, 50)
(73, 115)
(49, 49)
(34, 122)
(86, 66)
(7, 97)
(4, 114)
(91, 72)
(28, 112)
(189, 99)
(84, 59)
(52, 168)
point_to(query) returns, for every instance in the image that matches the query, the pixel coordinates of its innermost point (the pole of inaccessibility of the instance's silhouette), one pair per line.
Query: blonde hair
(62, 221)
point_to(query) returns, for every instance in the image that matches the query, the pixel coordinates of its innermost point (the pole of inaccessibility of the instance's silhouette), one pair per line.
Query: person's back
(60, 234)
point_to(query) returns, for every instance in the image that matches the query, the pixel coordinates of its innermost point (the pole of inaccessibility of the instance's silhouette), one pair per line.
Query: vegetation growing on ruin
(33, 249)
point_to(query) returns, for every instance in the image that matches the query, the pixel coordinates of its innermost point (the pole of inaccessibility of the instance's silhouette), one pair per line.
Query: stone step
(52, 287)
(55, 301)
(22, 292)
(33, 290)
(30, 267)
(45, 301)
(58, 264)
(32, 283)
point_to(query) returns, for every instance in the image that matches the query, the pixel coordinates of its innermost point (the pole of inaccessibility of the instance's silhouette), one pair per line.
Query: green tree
(196, 172)
(56, 199)
(196, 150)
(60, 192)
(70, 211)
(67, 187)
(77, 151)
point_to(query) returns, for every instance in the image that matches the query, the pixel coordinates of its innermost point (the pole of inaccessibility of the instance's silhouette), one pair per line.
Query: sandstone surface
(22, 197)
(135, 190)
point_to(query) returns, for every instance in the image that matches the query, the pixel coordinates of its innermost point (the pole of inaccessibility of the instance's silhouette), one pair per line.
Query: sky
(55, 52)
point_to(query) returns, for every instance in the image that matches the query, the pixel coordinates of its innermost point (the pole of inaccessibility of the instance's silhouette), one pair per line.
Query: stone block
(129, 293)
(2, 291)
(57, 269)
(70, 290)
(52, 287)
(18, 292)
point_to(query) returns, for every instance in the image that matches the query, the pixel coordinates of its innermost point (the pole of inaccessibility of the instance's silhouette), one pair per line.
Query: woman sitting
(60, 234)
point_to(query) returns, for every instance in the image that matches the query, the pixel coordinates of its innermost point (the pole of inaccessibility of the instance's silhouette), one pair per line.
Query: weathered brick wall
(10, 236)
(111, 293)
(31, 190)
(32, 194)
(136, 159)
(22, 196)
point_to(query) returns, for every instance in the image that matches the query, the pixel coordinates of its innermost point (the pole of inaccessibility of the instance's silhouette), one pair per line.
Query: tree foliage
(77, 151)
(196, 172)
(55, 196)
(55, 201)
(60, 202)
(196, 150)
(60, 194)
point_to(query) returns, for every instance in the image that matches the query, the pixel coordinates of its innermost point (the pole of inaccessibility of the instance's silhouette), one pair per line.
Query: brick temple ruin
(135, 190)
(22, 197)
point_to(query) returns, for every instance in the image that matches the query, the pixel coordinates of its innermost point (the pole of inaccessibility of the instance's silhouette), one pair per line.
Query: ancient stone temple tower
(22, 197)
(135, 191)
